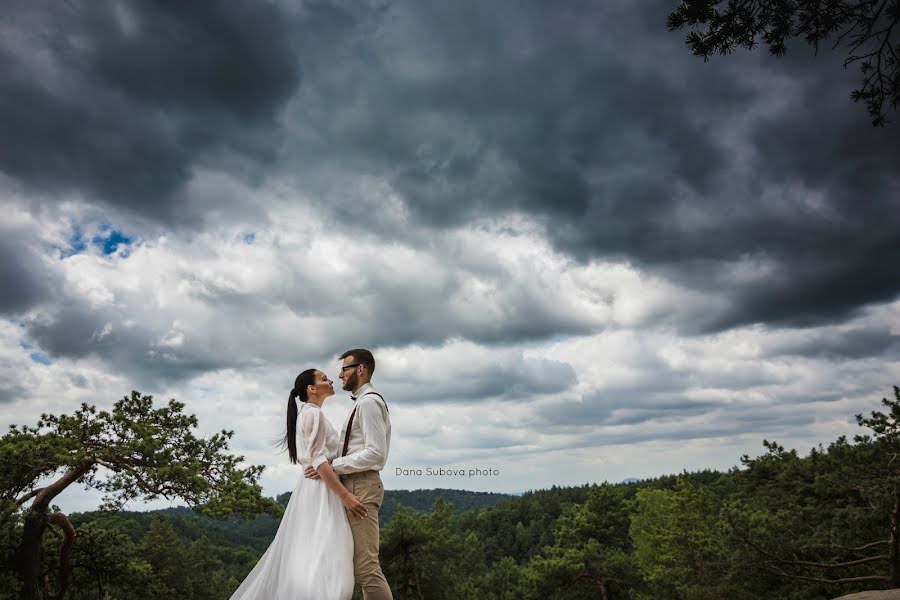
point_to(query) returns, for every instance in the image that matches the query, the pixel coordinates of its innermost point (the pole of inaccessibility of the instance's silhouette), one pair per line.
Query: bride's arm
(351, 502)
(313, 426)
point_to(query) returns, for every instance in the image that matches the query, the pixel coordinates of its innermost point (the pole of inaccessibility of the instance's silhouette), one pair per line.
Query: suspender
(350, 422)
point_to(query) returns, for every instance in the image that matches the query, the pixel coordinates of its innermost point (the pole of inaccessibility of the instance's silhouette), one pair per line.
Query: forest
(783, 525)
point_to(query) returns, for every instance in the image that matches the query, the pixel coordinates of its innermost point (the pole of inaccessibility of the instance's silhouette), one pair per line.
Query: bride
(311, 557)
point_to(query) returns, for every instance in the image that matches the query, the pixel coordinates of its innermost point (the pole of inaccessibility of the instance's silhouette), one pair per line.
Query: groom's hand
(311, 473)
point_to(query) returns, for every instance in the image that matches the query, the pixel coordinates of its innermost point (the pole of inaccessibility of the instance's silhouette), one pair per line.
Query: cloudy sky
(578, 252)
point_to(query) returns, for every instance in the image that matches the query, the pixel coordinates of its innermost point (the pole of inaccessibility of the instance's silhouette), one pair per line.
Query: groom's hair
(362, 356)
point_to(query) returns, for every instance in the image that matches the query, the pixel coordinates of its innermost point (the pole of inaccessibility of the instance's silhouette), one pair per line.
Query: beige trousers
(368, 488)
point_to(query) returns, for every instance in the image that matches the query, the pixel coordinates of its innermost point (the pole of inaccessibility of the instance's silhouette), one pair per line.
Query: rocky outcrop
(873, 595)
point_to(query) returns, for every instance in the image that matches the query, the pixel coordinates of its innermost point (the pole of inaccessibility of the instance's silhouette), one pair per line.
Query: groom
(366, 439)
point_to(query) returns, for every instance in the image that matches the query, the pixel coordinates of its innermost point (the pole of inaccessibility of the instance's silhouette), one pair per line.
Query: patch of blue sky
(25, 346)
(40, 358)
(111, 242)
(107, 239)
(77, 243)
(249, 238)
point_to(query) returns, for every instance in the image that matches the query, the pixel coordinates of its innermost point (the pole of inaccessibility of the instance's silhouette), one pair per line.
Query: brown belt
(358, 474)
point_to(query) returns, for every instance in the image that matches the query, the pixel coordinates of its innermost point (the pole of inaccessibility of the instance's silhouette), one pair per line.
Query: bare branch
(65, 551)
(834, 565)
(28, 496)
(871, 545)
(781, 573)
(773, 558)
(45, 495)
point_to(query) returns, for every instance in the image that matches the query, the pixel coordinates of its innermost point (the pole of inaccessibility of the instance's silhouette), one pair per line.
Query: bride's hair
(304, 379)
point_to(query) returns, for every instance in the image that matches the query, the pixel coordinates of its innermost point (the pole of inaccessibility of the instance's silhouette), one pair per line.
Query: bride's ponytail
(304, 379)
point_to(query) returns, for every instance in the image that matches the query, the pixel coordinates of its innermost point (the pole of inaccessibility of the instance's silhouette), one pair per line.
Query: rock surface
(873, 595)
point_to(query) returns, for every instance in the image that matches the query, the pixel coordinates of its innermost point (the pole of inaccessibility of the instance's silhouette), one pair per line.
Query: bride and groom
(329, 533)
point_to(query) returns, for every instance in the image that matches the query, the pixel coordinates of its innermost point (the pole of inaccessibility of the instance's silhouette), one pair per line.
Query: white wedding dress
(311, 557)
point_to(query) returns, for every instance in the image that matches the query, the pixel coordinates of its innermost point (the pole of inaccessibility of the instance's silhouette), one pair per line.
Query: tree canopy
(781, 526)
(134, 450)
(869, 28)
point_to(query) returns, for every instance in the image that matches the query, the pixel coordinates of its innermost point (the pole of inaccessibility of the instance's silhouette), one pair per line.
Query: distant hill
(423, 500)
(494, 534)
(258, 533)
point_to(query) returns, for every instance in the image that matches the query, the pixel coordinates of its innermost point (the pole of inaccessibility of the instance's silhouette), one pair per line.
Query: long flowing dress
(311, 557)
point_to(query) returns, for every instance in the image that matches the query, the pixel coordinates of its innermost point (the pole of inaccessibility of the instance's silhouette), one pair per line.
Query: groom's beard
(350, 383)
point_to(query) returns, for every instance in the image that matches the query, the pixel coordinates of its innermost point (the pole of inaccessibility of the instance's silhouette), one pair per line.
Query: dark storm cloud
(590, 117)
(506, 377)
(395, 317)
(131, 347)
(11, 392)
(25, 278)
(664, 407)
(839, 345)
(481, 110)
(596, 120)
(634, 417)
(818, 284)
(837, 248)
(118, 102)
(727, 425)
(628, 407)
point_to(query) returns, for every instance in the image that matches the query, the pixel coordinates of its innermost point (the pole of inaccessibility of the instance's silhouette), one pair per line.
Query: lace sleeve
(312, 428)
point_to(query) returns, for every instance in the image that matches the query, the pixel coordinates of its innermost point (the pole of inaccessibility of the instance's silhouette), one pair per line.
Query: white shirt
(370, 435)
(318, 439)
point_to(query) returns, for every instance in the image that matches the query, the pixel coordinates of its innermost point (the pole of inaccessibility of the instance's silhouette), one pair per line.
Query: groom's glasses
(345, 367)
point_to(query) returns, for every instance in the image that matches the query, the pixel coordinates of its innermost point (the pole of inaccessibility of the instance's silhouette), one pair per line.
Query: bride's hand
(354, 506)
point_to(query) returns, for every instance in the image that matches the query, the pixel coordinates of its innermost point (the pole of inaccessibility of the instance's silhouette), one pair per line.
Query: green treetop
(142, 451)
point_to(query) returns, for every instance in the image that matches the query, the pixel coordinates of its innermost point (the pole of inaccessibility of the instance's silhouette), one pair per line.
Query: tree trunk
(894, 546)
(33, 533)
(30, 555)
(65, 552)
(603, 593)
(418, 587)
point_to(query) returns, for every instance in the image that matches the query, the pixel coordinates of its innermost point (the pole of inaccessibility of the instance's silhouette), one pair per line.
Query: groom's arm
(350, 501)
(374, 432)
